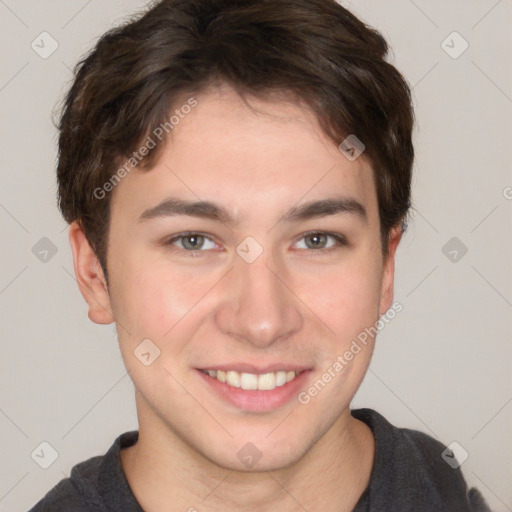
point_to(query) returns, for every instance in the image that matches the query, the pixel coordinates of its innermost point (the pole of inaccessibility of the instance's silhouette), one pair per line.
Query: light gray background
(442, 366)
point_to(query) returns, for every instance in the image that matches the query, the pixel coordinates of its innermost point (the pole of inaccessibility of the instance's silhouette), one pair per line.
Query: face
(266, 287)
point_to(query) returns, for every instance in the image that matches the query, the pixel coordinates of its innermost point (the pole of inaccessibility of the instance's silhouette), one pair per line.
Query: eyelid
(173, 238)
(339, 238)
(340, 241)
(336, 236)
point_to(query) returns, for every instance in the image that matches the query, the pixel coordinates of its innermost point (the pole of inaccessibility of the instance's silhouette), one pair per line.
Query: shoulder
(76, 493)
(95, 485)
(414, 464)
(64, 497)
(435, 457)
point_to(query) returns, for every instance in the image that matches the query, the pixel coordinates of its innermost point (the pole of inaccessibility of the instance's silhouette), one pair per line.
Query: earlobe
(89, 276)
(388, 275)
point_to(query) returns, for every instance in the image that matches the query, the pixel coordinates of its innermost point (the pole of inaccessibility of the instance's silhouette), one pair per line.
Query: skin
(293, 304)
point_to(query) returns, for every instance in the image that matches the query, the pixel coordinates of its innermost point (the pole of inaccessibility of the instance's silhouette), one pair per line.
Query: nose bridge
(259, 307)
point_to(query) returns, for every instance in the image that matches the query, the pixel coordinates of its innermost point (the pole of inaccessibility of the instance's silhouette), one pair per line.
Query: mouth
(253, 381)
(257, 390)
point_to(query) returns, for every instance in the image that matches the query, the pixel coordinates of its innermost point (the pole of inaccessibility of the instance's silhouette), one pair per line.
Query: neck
(161, 469)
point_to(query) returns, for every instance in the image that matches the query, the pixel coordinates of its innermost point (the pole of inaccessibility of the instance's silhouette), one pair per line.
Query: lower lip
(254, 399)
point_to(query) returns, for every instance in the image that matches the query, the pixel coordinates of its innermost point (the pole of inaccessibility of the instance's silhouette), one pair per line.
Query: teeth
(233, 379)
(267, 381)
(280, 378)
(248, 381)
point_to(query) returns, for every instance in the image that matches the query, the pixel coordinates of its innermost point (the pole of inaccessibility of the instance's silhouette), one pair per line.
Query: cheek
(147, 299)
(161, 301)
(152, 297)
(346, 297)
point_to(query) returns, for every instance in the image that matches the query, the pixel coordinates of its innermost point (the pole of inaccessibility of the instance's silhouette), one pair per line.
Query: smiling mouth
(252, 381)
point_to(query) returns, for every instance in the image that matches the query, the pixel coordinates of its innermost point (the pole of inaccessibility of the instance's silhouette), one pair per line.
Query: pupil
(194, 239)
(316, 238)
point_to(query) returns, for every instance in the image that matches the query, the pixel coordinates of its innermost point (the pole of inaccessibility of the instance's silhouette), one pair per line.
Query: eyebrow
(209, 210)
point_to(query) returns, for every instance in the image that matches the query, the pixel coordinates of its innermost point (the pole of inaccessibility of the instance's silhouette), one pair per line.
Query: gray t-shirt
(408, 474)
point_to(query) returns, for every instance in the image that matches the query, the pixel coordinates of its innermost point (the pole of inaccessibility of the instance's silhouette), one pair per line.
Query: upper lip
(257, 369)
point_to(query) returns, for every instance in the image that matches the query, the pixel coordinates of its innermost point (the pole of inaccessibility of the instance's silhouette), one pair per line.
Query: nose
(258, 306)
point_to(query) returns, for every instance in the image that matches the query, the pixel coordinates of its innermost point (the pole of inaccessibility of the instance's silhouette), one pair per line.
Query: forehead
(253, 158)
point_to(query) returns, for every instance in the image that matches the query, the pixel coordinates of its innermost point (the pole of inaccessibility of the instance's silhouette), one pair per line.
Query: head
(250, 108)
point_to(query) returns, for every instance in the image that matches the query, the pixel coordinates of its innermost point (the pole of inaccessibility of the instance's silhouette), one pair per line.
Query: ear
(388, 272)
(89, 276)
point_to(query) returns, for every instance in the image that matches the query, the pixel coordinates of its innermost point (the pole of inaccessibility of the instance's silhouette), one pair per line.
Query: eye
(315, 241)
(191, 241)
(318, 240)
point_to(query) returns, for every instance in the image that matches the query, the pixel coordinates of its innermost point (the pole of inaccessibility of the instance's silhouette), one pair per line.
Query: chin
(257, 456)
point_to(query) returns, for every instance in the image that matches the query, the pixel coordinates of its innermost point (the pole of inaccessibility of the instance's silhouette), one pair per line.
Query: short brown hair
(314, 50)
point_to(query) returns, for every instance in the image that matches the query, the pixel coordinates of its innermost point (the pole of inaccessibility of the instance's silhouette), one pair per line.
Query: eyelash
(340, 240)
